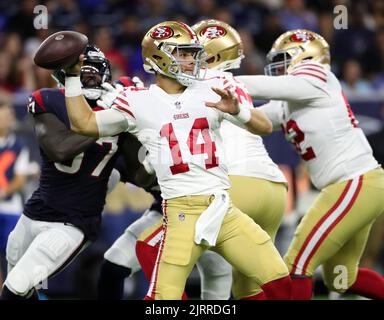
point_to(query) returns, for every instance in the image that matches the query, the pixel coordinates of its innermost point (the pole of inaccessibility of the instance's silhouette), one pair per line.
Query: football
(60, 50)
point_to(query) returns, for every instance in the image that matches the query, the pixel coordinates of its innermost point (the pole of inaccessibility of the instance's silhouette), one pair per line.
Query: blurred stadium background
(117, 27)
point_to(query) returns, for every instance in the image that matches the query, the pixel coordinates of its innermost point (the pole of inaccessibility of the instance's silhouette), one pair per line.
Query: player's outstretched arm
(285, 87)
(254, 120)
(58, 142)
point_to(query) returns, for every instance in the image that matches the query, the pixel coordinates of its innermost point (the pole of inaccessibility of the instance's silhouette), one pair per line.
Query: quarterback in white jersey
(308, 103)
(183, 140)
(258, 187)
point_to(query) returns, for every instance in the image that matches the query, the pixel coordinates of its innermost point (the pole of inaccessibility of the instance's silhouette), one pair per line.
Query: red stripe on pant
(153, 282)
(330, 228)
(149, 258)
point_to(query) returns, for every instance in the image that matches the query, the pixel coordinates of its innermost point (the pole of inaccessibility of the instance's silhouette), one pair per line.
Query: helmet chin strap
(92, 94)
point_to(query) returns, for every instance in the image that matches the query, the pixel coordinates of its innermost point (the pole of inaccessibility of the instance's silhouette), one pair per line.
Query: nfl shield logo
(181, 216)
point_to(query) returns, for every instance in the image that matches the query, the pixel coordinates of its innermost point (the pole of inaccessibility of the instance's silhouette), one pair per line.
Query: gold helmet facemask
(293, 47)
(162, 47)
(222, 44)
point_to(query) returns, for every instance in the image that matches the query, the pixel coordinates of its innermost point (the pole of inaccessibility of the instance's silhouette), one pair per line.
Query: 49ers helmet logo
(162, 32)
(302, 37)
(213, 32)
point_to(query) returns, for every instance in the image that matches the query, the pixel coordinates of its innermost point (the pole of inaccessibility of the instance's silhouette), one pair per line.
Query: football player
(259, 188)
(182, 137)
(63, 215)
(308, 102)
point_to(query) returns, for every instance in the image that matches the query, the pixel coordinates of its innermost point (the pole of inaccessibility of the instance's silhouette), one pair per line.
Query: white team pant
(37, 250)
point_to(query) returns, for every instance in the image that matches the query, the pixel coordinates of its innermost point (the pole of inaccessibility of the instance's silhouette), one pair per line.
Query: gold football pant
(264, 202)
(334, 231)
(240, 241)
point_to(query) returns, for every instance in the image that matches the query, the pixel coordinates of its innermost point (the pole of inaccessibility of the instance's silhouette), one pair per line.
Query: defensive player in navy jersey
(63, 215)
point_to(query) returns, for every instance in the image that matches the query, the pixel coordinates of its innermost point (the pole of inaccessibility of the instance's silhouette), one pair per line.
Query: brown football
(60, 50)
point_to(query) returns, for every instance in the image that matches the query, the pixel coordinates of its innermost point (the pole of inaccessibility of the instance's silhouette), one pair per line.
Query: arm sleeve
(112, 121)
(287, 87)
(119, 118)
(274, 111)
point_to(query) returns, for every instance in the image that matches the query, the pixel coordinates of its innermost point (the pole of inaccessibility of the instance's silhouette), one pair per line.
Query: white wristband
(244, 115)
(73, 87)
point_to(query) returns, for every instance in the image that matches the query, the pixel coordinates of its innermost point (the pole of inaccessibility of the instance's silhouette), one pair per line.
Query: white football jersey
(245, 152)
(311, 108)
(181, 135)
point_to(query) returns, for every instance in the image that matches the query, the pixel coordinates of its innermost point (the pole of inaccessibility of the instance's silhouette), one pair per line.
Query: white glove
(109, 94)
(137, 82)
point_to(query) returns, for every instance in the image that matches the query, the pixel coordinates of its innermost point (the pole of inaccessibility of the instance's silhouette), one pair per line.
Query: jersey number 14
(208, 147)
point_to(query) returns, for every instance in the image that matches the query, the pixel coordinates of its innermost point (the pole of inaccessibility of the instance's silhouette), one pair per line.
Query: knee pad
(13, 250)
(123, 252)
(53, 245)
(18, 282)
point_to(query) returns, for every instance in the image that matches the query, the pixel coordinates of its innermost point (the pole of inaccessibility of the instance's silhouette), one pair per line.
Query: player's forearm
(66, 147)
(58, 142)
(253, 120)
(276, 88)
(71, 145)
(80, 114)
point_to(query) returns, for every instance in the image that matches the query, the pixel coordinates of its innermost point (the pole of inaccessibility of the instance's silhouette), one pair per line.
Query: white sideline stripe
(154, 272)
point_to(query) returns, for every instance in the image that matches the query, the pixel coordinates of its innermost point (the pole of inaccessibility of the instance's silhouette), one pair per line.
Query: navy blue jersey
(72, 192)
